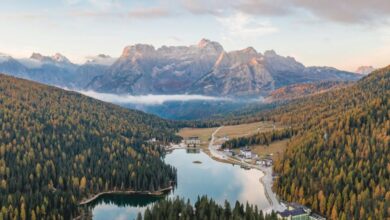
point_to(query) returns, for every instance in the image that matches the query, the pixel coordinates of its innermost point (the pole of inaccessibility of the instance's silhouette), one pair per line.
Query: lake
(217, 180)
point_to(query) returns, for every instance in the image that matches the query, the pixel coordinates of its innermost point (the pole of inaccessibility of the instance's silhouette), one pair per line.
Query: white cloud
(246, 26)
(148, 99)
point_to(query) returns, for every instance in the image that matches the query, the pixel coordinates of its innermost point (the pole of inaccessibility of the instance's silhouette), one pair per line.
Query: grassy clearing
(276, 148)
(241, 130)
(232, 131)
(204, 135)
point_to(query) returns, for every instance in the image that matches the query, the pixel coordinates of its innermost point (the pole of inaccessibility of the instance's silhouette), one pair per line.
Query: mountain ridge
(205, 68)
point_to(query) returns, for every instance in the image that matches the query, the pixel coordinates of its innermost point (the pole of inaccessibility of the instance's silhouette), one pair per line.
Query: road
(213, 148)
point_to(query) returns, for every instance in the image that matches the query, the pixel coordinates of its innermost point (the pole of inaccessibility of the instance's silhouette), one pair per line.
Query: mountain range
(205, 68)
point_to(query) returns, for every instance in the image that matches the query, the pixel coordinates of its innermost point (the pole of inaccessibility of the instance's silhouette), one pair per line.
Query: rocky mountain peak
(210, 45)
(36, 56)
(138, 50)
(249, 50)
(56, 58)
(270, 53)
(60, 58)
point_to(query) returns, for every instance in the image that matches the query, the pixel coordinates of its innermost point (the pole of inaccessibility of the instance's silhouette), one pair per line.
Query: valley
(194, 110)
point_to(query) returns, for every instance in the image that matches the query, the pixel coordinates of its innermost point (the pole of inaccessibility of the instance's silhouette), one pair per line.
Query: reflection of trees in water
(193, 150)
(123, 200)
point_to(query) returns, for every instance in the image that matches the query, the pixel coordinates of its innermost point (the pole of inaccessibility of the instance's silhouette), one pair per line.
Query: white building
(246, 153)
(192, 141)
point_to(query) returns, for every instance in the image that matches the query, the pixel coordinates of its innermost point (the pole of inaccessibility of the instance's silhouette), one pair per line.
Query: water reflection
(217, 180)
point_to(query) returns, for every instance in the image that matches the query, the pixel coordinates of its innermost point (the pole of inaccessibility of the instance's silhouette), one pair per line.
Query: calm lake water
(217, 180)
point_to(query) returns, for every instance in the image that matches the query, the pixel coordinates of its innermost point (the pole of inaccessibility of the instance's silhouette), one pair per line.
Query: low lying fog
(148, 99)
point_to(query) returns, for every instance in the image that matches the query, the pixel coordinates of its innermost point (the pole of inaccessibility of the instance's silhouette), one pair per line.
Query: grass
(241, 130)
(276, 148)
(204, 135)
(231, 131)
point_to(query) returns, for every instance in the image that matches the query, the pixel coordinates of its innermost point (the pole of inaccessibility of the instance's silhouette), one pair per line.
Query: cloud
(346, 11)
(148, 99)
(155, 12)
(246, 26)
(138, 13)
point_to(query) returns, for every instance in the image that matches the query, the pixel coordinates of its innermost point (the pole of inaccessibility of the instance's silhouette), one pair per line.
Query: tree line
(204, 208)
(263, 138)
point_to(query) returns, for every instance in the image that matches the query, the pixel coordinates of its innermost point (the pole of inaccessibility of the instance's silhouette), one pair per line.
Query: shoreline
(125, 192)
(266, 180)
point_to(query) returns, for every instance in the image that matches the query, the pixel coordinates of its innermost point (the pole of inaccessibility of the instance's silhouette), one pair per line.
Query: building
(246, 153)
(192, 141)
(228, 152)
(297, 211)
(315, 216)
(267, 162)
(296, 214)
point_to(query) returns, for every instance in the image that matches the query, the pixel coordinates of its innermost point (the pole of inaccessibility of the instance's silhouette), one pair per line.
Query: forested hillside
(58, 147)
(339, 163)
(204, 208)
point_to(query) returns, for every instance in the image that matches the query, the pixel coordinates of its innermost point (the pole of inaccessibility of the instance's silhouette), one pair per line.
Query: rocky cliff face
(143, 69)
(206, 68)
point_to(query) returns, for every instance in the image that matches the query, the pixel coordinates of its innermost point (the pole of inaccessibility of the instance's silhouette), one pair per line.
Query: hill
(58, 147)
(338, 161)
(300, 90)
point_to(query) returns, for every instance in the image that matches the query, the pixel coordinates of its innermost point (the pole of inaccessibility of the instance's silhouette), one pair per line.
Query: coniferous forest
(58, 147)
(338, 161)
(204, 208)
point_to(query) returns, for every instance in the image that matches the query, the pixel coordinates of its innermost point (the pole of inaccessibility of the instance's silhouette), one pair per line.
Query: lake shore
(266, 180)
(125, 192)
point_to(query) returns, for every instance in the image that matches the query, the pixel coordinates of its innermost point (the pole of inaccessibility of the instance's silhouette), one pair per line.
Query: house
(295, 214)
(246, 153)
(315, 216)
(225, 138)
(194, 141)
(267, 162)
(228, 152)
(297, 211)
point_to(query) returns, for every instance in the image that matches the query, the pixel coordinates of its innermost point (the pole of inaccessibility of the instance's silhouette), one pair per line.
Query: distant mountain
(55, 70)
(365, 70)
(10, 65)
(206, 68)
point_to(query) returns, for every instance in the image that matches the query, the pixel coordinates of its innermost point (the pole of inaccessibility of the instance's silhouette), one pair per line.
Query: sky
(343, 34)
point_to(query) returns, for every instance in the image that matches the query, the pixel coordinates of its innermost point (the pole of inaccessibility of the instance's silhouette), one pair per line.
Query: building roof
(317, 216)
(294, 212)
